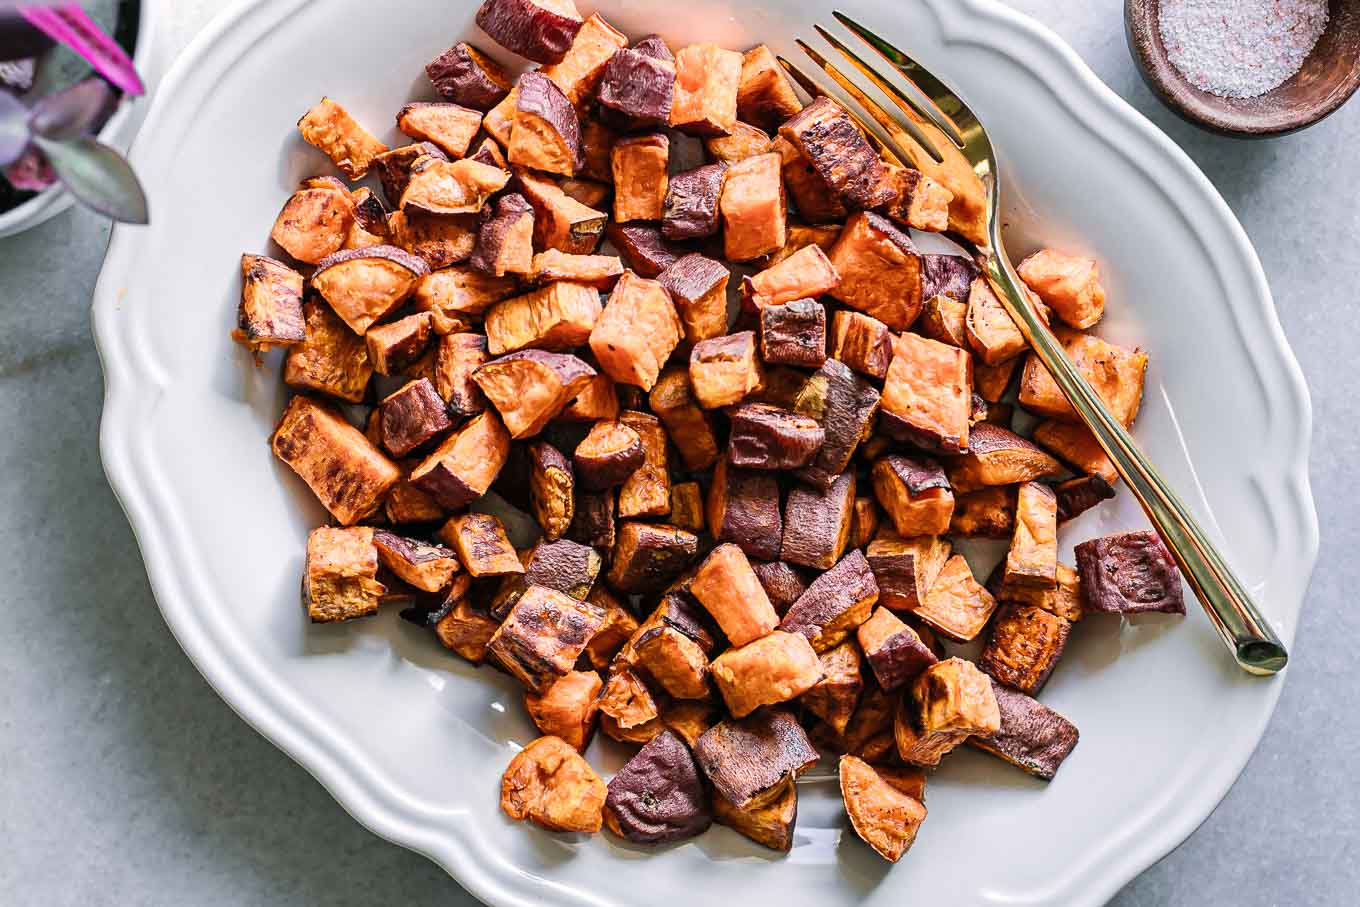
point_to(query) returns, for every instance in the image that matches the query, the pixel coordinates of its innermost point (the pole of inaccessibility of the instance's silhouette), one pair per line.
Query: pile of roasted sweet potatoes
(746, 510)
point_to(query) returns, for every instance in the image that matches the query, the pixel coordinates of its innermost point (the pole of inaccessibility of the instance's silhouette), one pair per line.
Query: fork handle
(1238, 620)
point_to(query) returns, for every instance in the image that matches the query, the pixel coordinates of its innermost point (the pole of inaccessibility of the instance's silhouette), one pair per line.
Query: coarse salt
(1240, 48)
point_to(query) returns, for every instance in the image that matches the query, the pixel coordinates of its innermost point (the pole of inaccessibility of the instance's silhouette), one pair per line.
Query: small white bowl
(118, 131)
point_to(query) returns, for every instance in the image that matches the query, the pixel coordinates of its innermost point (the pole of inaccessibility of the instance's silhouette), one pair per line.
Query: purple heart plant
(52, 139)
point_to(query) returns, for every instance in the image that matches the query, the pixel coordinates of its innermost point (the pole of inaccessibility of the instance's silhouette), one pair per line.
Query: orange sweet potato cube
(637, 331)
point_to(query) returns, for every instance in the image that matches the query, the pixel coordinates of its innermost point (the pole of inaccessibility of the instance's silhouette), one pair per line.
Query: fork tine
(949, 107)
(905, 135)
(896, 156)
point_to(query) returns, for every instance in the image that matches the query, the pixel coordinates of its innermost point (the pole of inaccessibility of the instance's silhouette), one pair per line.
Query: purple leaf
(69, 25)
(73, 111)
(97, 176)
(14, 134)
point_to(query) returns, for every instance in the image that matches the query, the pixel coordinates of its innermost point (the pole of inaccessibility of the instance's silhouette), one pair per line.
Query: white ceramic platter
(413, 742)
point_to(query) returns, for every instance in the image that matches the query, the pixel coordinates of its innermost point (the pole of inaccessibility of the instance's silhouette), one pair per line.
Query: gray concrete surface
(125, 780)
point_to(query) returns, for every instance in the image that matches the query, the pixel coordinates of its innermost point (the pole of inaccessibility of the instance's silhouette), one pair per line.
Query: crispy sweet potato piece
(945, 320)
(834, 697)
(346, 472)
(647, 556)
(340, 575)
(544, 634)
(658, 796)
(690, 207)
(770, 825)
(927, 395)
(728, 588)
(879, 269)
(568, 708)
(1129, 573)
(395, 347)
(466, 629)
(687, 507)
(464, 75)
(950, 276)
(753, 208)
(394, 167)
(647, 490)
(642, 247)
(845, 405)
(457, 356)
(723, 370)
(782, 583)
(775, 668)
(449, 127)
(883, 815)
(538, 30)
(270, 312)
(1033, 737)
(638, 87)
(1076, 496)
(1025, 645)
(835, 604)
(628, 711)
(793, 333)
(826, 135)
(407, 504)
(987, 513)
(1068, 283)
(560, 221)
(991, 382)
(563, 566)
(672, 660)
(411, 416)
(1114, 372)
(915, 493)
(429, 568)
(742, 142)
(767, 437)
(597, 141)
(505, 242)
(698, 287)
(609, 454)
(1064, 601)
(549, 782)
(499, 121)
(444, 188)
(441, 241)
(998, 456)
(1074, 444)
(956, 605)
(869, 735)
(864, 522)
(546, 134)
(919, 202)
(619, 625)
(905, 569)
(894, 650)
(465, 464)
(690, 428)
(1033, 556)
(861, 342)
(750, 762)
(948, 702)
(764, 95)
(817, 523)
(559, 316)
(351, 147)
(598, 271)
(528, 388)
(636, 332)
(363, 285)
(805, 274)
(991, 332)
(588, 192)
(743, 508)
(482, 545)
(579, 72)
(640, 182)
(552, 488)
(817, 203)
(332, 359)
(313, 223)
(593, 523)
(706, 82)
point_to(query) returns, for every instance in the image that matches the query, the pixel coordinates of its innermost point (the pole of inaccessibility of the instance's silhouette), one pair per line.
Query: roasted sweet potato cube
(728, 588)
(449, 127)
(568, 708)
(805, 274)
(672, 660)
(628, 711)
(578, 74)
(1033, 737)
(1033, 556)
(345, 471)
(754, 211)
(466, 629)
(1067, 283)
(835, 604)
(950, 276)
(637, 331)
(689, 427)
(559, 316)
(538, 30)
(339, 580)
(742, 142)
(998, 456)
(407, 504)
(1065, 600)
(845, 405)
(767, 437)
(1075, 445)
(363, 285)
(332, 359)
(643, 248)
(948, 702)
(394, 347)
(987, 513)
(992, 334)
(593, 522)
(597, 141)
(441, 241)
(394, 167)
(464, 75)
(659, 795)
(552, 489)
(915, 493)
(775, 668)
(647, 556)
(548, 782)
(723, 370)
(1129, 573)
(544, 634)
(505, 242)
(864, 521)
(992, 382)
(764, 95)
(1025, 645)
(749, 761)
(919, 202)
(270, 313)
(817, 523)
(619, 625)
(861, 342)
(869, 735)
(313, 224)
(351, 147)
(640, 183)
(826, 135)
(793, 333)
(563, 566)
(429, 568)
(647, 490)
(770, 825)
(638, 87)
(560, 221)
(698, 287)
(706, 82)
(927, 395)
(883, 815)
(465, 464)
(598, 271)
(456, 357)
(530, 387)
(905, 569)
(546, 134)
(817, 203)
(499, 121)
(690, 207)
(743, 508)
(834, 697)
(997, 413)
(609, 454)
(482, 545)
(1076, 496)
(588, 192)
(894, 650)
(879, 269)
(956, 605)
(444, 188)
(1115, 373)
(411, 416)
(945, 320)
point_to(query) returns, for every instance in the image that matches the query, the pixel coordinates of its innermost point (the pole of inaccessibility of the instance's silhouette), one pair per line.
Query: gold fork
(942, 138)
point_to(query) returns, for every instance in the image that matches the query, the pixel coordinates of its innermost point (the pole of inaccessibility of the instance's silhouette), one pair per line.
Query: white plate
(413, 742)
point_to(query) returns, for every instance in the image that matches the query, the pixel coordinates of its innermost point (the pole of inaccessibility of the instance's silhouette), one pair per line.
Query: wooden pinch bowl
(1329, 76)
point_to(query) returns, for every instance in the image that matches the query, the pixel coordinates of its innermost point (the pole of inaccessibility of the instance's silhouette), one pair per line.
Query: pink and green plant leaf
(97, 176)
(68, 24)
